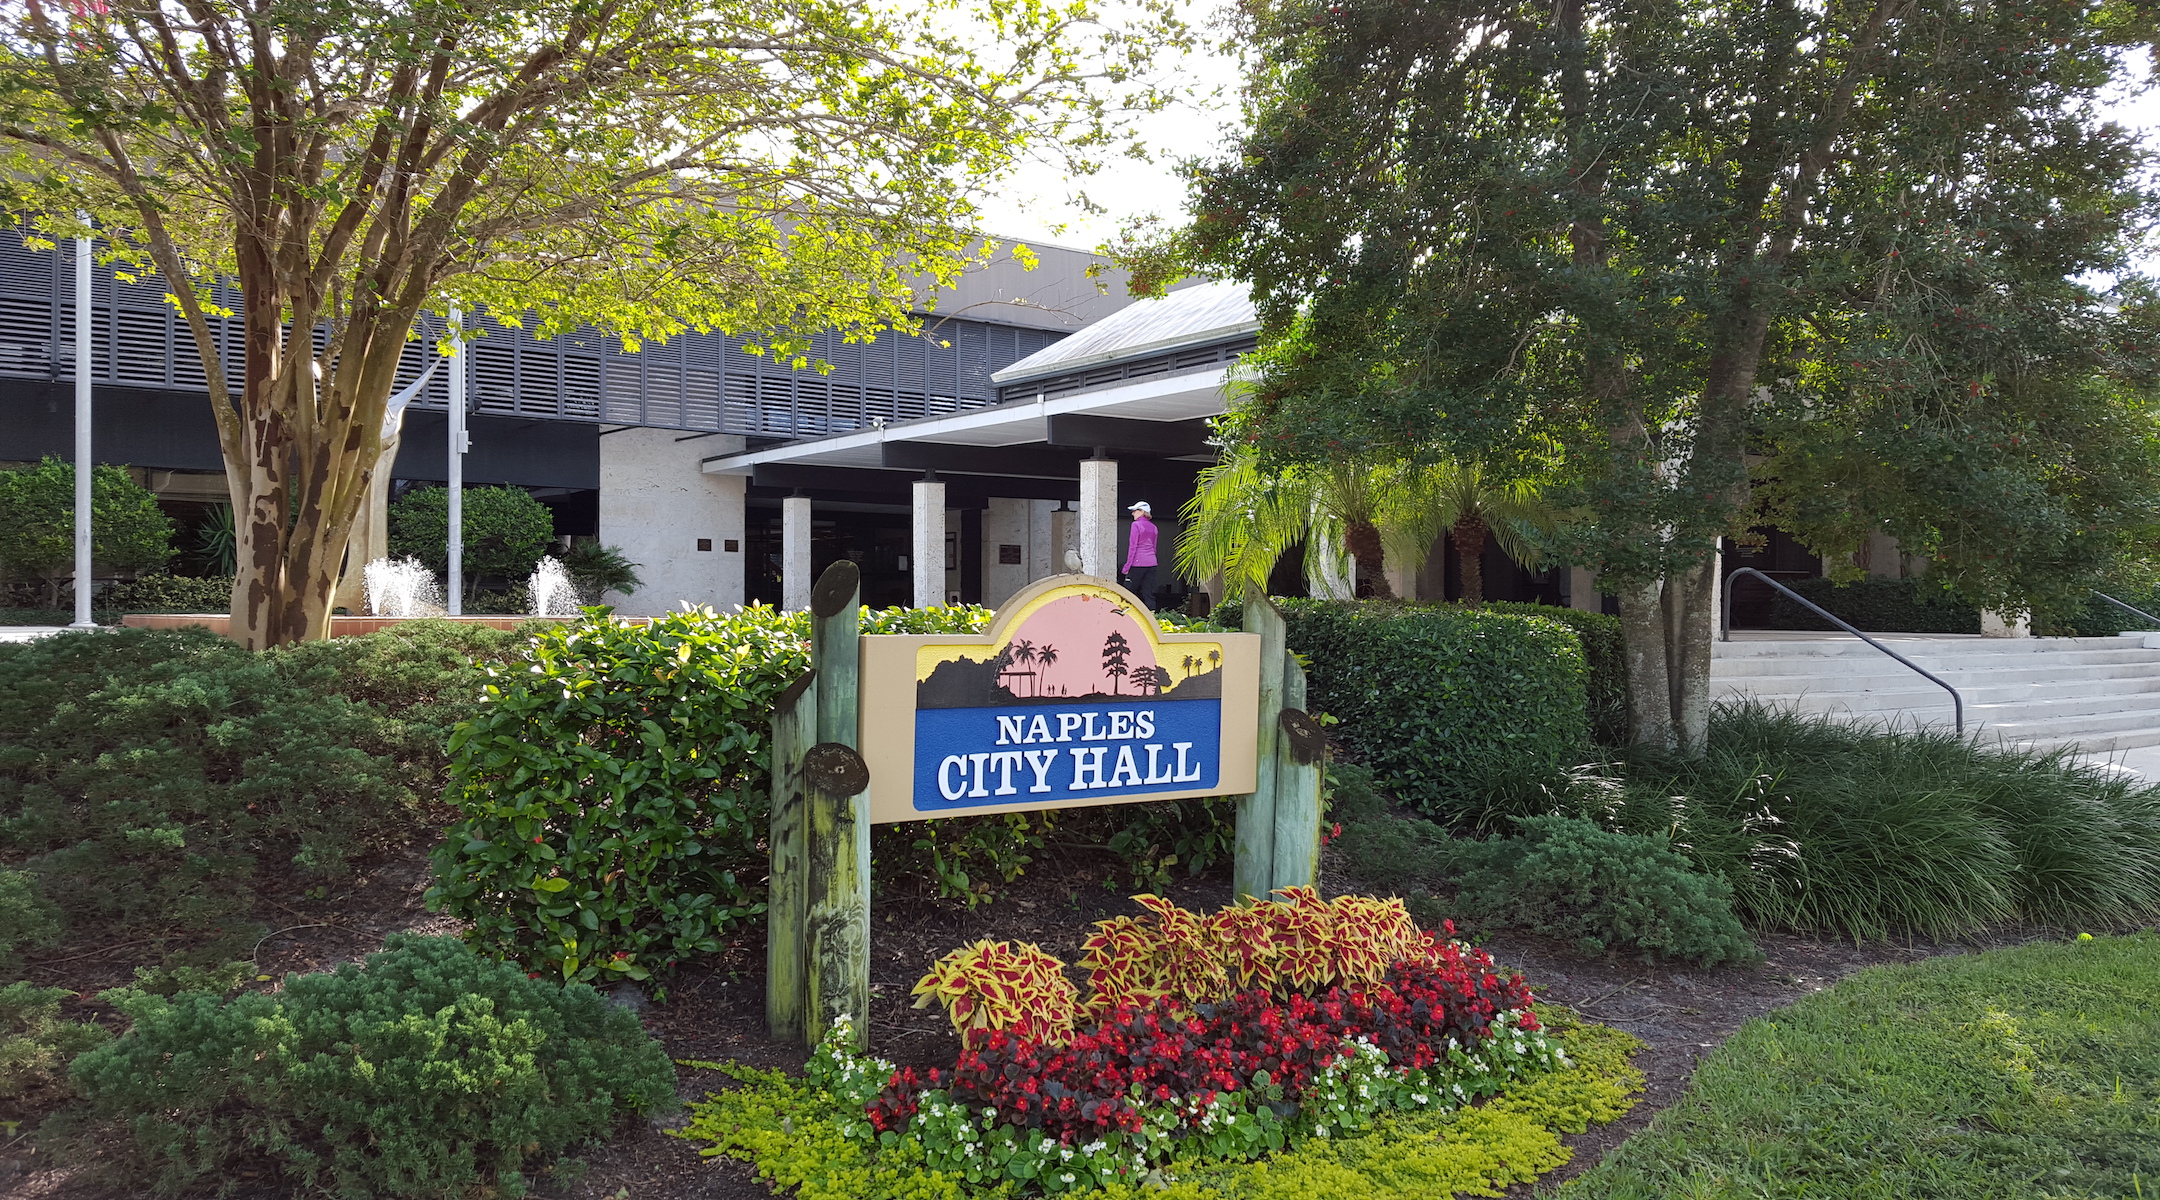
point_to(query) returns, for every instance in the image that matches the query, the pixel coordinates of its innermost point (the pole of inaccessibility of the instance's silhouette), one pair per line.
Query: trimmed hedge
(1442, 701)
(1875, 606)
(1603, 654)
(614, 793)
(169, 594)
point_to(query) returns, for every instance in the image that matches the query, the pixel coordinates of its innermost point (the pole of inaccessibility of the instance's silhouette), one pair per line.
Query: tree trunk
(1643, 639)
(1469, 538)
(1690, 594)
(1362, 539)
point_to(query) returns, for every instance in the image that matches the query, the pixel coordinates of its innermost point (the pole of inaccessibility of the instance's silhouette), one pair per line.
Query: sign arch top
(1074, 696)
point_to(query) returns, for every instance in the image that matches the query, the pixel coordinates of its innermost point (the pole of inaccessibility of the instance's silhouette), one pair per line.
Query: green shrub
(615, 795)
(1441, 701)
(169, 594)
(2100, 619)
(1604, 658)
(1350, 794)
(37, 522)
(27, 919)
(428, 1071)
(1876, 606)
(1825, 827)
(1568, 878)
(505, 531)
(1393, 854)
(147, 777)
(35, 1044)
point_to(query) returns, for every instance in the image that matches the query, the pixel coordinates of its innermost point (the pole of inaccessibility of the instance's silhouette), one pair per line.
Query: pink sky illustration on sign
(1074, 629)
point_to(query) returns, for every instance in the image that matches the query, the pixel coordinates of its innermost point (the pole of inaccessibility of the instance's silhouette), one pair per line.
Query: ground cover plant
(1853, 831)
(2025, 1072)
(151, 781)
(1572, 879)
(1204, 1043)
(427, 1071)
(1815, 826)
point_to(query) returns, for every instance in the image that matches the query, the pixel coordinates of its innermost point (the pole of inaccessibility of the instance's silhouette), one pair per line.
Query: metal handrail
(1725, 634)
(2126, 608)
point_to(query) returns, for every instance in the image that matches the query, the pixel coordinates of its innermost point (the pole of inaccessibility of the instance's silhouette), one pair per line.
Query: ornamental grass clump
(427, 1071)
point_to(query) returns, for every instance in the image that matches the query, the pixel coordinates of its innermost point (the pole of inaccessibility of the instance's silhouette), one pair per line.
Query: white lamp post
(84, 466)
(459, 443)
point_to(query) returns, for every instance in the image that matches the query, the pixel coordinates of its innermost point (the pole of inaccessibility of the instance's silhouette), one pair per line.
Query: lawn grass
(2027, 1072)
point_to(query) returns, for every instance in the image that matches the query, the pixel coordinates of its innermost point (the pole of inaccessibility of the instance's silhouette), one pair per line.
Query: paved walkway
(28, 633)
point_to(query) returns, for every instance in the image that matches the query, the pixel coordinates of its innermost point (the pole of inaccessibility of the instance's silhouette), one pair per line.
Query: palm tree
(1456, 498)
(1189, 660)
(1024, 654)
(1243, 519)
(1214, 658)
(1044, 656)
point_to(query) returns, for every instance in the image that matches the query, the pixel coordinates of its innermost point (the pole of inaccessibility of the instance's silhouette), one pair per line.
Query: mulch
(714, 1011)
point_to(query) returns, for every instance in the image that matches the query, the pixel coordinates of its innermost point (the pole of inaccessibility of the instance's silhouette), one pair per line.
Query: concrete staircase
(2097, 694)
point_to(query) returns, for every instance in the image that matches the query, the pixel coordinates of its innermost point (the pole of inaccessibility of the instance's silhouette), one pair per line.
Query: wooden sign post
(1074, 696)
(1278, 822)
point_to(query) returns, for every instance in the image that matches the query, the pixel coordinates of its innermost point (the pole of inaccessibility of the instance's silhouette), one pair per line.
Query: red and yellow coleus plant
(1302, 945)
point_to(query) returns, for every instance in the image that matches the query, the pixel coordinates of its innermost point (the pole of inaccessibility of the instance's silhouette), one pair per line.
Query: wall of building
(658, 508)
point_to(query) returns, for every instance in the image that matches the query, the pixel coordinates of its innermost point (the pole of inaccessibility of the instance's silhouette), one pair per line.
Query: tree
(642, 166)
(598, 570)
(1458, 499)
(505, 532)
(1115, 651)
(37, 523)
(1658, 235)
(1246, 514)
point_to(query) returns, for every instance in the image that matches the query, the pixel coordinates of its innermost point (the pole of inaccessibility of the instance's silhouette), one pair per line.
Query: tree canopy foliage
(1857, 266)
(643, 166)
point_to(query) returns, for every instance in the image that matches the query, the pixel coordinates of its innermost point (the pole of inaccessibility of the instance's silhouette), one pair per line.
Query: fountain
(402, 588)
(553, 595)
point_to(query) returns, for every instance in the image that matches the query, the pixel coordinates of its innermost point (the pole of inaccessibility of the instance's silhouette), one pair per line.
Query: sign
(1074, 697)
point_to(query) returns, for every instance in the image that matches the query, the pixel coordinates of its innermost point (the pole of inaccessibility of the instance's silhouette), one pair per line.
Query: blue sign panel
(1095, 751)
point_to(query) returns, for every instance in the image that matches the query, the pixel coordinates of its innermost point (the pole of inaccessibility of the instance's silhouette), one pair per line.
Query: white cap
(1142, 506)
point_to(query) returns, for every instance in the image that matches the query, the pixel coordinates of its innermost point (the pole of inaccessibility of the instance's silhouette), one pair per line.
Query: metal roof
(1190, 316)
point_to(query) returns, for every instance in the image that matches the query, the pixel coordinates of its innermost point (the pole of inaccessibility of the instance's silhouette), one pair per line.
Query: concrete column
(1005, 523)
(1993, 625)
(682, 527)
(795, 553)
(1099, 517)
(1583, 590)
(927, 562)
(1064, 541)
(1045, 551)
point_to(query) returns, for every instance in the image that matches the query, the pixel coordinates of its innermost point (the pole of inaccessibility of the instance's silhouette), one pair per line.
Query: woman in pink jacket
(1139, 568)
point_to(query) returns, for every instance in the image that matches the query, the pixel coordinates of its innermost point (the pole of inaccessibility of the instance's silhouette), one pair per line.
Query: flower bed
(1166, 1082)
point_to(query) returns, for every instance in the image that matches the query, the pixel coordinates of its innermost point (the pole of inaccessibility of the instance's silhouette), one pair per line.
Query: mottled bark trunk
(1643, 642)
(1692, 595)
(1362, 539)
(1469, 537)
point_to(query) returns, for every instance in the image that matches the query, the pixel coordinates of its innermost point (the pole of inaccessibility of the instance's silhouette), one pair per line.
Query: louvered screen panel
(701, 382)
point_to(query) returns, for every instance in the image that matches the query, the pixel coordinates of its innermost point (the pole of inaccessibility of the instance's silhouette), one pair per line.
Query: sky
(1037, 203)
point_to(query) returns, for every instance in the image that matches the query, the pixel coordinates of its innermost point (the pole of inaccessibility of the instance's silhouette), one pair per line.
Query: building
(960, 464)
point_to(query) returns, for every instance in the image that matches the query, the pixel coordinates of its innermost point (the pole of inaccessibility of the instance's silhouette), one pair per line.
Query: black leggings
(1140, 581)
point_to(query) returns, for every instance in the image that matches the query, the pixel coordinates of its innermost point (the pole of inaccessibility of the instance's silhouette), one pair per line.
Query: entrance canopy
(1136, 386)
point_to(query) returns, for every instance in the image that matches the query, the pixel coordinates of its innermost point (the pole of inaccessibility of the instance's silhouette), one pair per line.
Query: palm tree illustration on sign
(1021, 652)
(1046, 656)
(1115, 651)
